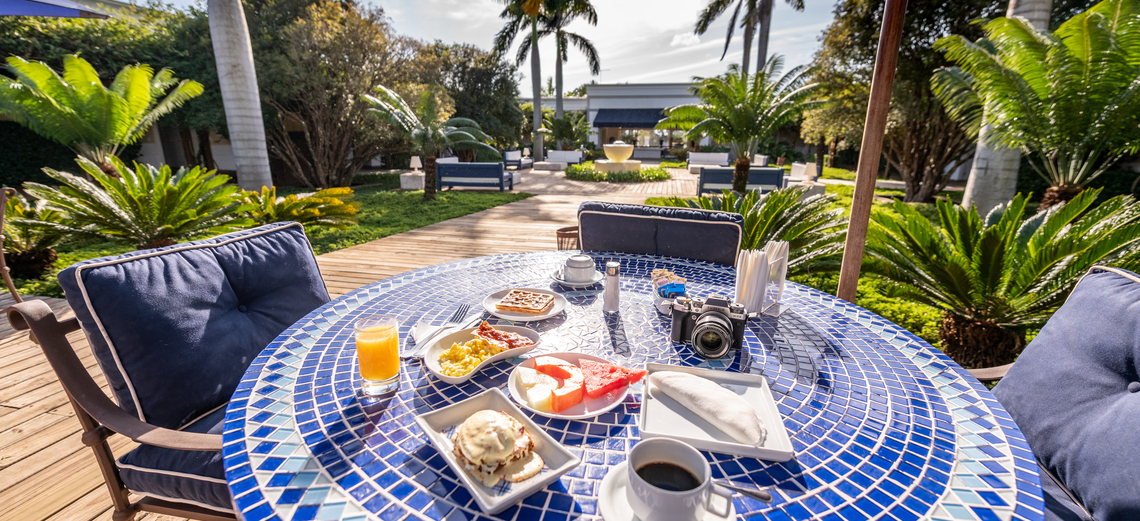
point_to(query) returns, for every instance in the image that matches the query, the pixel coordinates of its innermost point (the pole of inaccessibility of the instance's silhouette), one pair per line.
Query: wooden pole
(890, 37)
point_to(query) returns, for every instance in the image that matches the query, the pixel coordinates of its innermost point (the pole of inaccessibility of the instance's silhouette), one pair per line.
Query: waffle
(520, 301)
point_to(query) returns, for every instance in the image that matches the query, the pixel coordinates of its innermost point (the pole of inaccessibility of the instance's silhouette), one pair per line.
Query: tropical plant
(518, 14)
(1069, 100)
(484, 87)
(757, 15)
(741, 110)
(145, 206)
(569, 131)
(588, 172)
(558, 15)
(814, 232)
(528, 129)
(29, 250)
(330, 207)
(429, 135)
(994, 276)
(77, 111)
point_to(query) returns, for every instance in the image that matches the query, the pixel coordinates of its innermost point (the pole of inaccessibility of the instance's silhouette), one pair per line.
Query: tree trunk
(205, 150)
(558, 78)
(237, 78)
(538, 153)
(993, 175)
(1058, 194)
(749, 31)
(978, 344)
(740, 175)
(765, 27)
(429, 178)
(831, 152)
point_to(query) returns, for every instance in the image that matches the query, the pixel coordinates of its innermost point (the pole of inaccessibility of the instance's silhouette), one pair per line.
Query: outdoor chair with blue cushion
(714, 179)
(515, 158)
(675, 232)
(477, 175)
(174, 329)
(1075, 393)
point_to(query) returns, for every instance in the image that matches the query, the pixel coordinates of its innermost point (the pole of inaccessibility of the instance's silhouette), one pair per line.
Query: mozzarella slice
(539, 396)
(529, 378)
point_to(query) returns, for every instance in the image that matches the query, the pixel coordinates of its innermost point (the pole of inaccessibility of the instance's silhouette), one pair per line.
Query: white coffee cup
(579, 268)
(658, 504)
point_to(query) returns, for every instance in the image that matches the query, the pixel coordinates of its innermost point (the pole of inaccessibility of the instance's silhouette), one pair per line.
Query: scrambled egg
(460, 359)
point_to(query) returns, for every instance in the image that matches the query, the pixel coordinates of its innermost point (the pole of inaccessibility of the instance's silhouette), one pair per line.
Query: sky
(638, 41)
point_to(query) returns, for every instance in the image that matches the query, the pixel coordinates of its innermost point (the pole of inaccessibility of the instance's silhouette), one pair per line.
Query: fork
(455, 318)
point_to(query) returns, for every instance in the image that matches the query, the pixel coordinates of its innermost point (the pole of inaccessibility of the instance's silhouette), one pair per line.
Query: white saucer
(557, 276)
(615, 507)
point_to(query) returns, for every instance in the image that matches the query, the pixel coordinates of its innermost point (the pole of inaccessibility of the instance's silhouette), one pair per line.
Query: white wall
(568, 102)
(151, 153)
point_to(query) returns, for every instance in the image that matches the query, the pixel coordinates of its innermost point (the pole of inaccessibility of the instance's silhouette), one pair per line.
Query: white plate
(489, 303)
(493, 500)
(440, 344)
(589, 407)
(663, 417)
(615, 507)
(557, 276)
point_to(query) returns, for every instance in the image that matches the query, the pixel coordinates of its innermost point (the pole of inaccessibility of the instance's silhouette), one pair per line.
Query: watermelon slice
(603, 378)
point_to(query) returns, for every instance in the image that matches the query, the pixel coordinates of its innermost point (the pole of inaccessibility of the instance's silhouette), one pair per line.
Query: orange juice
(378, 350)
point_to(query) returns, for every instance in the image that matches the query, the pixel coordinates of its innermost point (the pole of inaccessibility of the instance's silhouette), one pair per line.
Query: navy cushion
(1070, 392)
(175, 328)
(195, 477)
(675, 232)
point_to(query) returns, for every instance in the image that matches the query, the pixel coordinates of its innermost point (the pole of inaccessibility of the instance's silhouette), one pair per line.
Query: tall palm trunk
(749, 31)
(993, 174)
(238, 80)
(740, 174)
(429, 178)
(765, 27)
(558, 75)
(536, 87)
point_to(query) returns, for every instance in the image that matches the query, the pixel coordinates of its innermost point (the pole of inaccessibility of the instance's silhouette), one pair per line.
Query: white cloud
(684, 40)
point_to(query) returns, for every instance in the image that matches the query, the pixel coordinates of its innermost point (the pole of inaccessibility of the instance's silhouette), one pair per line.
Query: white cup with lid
(579, 268)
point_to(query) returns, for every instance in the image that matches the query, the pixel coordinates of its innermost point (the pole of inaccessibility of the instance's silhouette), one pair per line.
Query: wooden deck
(47, 473)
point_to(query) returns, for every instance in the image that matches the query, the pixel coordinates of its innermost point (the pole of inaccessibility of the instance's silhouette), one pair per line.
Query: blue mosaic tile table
(884, 426)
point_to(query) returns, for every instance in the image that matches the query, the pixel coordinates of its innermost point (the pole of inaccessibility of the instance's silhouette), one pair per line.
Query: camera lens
(712, 335)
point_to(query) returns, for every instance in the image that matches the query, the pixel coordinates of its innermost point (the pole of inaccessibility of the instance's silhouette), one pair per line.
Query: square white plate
(663, 417)
(557, 460)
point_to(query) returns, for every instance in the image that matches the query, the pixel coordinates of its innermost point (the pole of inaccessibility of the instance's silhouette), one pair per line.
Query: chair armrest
(50, 334)
(990, 374)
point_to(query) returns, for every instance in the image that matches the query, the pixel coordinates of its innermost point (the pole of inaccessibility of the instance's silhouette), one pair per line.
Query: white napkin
(721, 407)
(752, 269)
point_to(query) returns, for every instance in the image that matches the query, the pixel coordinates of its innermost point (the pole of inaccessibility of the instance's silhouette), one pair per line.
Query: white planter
(412, 181)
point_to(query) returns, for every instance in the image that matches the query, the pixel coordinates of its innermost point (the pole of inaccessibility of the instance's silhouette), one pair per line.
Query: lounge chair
(696, 160)
(715, 179)
(674, 232)
(514, 158)
(174, 329)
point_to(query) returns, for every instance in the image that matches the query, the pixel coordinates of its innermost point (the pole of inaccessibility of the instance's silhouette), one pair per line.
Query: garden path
(47, 473)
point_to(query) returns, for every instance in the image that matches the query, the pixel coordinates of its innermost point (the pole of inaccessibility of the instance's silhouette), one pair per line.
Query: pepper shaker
(613, 287)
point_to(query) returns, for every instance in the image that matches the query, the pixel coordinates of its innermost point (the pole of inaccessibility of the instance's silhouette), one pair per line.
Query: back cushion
(674, 232)
(175, 328)
(1075, 394)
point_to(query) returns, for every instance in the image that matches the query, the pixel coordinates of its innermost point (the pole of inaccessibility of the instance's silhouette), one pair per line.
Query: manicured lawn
(383, 213)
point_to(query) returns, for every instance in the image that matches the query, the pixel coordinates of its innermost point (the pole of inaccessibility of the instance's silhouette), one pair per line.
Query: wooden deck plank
(46, 473)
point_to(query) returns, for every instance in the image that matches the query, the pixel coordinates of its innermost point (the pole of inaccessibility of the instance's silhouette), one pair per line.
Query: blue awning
(627, 118)
(56, 8)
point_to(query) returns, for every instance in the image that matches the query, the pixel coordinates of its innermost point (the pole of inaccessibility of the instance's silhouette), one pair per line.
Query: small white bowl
(492, 500)
(441, 344)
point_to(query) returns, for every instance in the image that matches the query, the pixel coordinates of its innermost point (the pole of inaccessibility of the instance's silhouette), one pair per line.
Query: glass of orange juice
(378, 353)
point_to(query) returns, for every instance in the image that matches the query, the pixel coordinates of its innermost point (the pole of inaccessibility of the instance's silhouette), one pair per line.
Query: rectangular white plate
(663, 417)
(493, 500)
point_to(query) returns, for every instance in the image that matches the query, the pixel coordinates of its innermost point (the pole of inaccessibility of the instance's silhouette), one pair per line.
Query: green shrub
(672, 164)
(837, 173)
(384, 181)
(29, 249)
(329, 207)
(147, 206)
(587, 172)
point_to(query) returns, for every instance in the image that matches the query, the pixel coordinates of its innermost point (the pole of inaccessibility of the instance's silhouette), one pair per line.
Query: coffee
(667, 476)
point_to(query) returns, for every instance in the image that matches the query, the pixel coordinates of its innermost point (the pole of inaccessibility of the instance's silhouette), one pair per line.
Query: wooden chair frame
(101, 418)
(5, 194)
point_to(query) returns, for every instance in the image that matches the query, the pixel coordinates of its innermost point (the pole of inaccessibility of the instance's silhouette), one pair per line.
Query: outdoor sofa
(482, 175)
(514, 158)
(696, 160)
(570, 157)
(716, 178)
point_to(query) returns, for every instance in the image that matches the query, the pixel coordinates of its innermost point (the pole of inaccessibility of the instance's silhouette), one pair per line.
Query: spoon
(758, 494)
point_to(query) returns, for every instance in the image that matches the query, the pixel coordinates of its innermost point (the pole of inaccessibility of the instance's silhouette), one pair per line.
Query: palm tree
(1068, 100)
(571, 128)
(740, 110)
(517, 13)
(77, 111)
(240, 96)
(757, 14)
(993, 277)
(429, 135)
(562, 12)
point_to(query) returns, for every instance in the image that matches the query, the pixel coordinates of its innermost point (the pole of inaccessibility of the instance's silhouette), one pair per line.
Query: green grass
(673, 164)
(383, 213)
(587, 172)
(837, 173)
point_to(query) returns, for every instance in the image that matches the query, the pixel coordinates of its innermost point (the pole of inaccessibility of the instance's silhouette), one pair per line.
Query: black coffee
(668, 476)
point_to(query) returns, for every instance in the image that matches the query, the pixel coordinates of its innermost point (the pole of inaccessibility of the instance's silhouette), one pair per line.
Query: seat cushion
(673, 232)
(195, 477)
(175, 328)
(1075, 393)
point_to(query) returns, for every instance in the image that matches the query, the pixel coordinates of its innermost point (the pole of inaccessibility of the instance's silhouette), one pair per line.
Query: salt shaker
(613, 286)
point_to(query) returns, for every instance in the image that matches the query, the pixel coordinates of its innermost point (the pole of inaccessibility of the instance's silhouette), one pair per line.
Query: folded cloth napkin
(722, 408)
